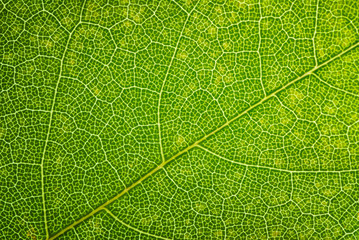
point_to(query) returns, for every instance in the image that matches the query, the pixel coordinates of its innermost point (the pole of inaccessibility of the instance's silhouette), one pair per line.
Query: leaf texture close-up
(179, 119)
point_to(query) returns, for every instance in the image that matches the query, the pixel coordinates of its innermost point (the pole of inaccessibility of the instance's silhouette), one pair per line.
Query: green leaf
(179, 119)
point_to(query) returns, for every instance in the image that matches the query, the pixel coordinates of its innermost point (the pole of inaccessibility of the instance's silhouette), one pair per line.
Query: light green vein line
(135, 229)
(315, 33)
(195, 144)
(273, 168)
(333, 87)
(259, 48)
(164, 82)
(50, 123)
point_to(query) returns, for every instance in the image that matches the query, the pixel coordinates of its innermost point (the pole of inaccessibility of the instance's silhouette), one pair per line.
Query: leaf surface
(179, 119)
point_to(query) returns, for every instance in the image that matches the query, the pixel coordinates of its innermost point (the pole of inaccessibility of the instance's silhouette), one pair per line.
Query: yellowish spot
(8, 56)
(2, 132)
(275, 233)
(318, 184)
(218, 9)
(212, 30)
(96, 91)
(32, 38)
(192, 86)
(31, 233)
(284, 121)
(238, 175)
(218, 233)
(325, 131)
(321, 53)
(218, 80)
(123, 42)
(340, 143)
(180, 140)
(133, 163)
(233, 17)
(222, 69)
(72, 58)
(66, 21)
(220, 19)
(3, 172)
(228, 78)
(127, 23)
(146, 221)
(30, 69)
(329, 110)
(227, 45)
(188, 31)
(186, 171)
(348, 40)
(62, 118)
(106, 13)
(329, 192)
(296, 95)
(59, 161)
(90, 32)
(231, 232)
(182, 55)
(137, 18)
(47, 44)
(81, 32)
(200, 206)
(202, 42)
(225, 193)
(266, 25)
(216, 211)
(349, 58)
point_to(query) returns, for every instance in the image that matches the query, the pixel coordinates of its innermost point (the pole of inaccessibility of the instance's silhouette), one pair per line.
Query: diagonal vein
(195, 144)
(133, 228)
(334, 87)
(274, 168)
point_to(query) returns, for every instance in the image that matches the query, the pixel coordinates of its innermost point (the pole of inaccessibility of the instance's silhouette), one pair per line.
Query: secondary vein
(50, 123)
(164, 82)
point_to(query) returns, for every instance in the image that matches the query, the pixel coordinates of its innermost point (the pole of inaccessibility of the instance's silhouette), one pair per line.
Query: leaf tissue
(179, 119)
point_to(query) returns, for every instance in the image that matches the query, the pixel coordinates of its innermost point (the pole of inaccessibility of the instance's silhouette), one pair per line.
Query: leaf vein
(273, 168)
(164, 82)
(131, 227)
(50, 123)
(196, 144)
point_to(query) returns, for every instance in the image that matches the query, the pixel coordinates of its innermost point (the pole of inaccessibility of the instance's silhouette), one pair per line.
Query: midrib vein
(195, 144)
